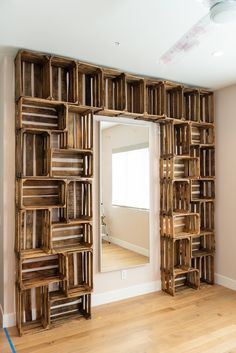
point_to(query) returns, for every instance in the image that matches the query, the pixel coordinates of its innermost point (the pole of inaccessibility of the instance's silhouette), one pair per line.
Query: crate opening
(41, 193)
(80, 129)
(79, 202)
(135, 95)
(63, 78)
(90, 85)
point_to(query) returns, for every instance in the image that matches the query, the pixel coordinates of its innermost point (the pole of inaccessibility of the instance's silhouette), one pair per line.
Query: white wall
(124, 223)
(225, 107)
(7, 187)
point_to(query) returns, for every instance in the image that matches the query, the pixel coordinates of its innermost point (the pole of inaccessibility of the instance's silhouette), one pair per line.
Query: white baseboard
(9, 320)
(225, 281)
(127, 245)
(125, 293)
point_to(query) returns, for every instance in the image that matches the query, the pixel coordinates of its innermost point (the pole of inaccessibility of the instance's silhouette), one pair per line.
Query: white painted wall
(7, 187)
(225, 107)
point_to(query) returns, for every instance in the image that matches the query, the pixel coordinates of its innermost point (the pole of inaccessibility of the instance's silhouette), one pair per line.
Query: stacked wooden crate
(54, 170)
(187, 173)
(55, 102)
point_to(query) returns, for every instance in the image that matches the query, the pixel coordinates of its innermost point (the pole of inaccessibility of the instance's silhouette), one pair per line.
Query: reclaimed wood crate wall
(56, 99)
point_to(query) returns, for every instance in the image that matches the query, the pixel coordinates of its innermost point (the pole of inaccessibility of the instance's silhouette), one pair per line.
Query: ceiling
(146, 29)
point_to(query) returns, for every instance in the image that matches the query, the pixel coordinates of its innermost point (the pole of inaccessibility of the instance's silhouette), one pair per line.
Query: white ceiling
(87, 30)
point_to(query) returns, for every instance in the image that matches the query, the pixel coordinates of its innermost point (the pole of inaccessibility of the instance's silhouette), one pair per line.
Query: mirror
(124, 195)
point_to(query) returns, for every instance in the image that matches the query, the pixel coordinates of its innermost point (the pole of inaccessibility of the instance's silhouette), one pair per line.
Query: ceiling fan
(220, 11)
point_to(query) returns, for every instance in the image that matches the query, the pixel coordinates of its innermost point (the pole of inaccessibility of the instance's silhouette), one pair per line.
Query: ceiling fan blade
(188, 41)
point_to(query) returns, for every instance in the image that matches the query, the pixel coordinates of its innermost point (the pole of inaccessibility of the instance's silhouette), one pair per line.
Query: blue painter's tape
(9, 340)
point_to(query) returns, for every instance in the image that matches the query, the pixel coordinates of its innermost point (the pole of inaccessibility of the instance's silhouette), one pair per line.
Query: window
(130, 178)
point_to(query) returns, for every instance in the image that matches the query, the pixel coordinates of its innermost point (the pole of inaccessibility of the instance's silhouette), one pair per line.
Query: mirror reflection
(124, 195)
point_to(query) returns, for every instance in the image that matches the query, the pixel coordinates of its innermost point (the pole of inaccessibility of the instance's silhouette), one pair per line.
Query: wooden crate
(206, 106)
(195, 151)
(32, 230)
(90, 85)
(173, 100)
(174, 196)
(175, 139)
(40, 193)
(68, 237)
(207, 211)
(180, 279)
(32, 72)
(32, 309)
(114, 90)
(63, 82)
(154, 98)
(38, 114)
(63, 309)
(180, 225)
(191, 98)
(79, 200)
(68, 163)
(79, 269)
(134, 94)
(80, 128)
(202, 245)
(202, 189)
(205, 265)
(40, 270)
(32, 154)
(175, 254)
(181, 167)
(207, 162)
(202, 134)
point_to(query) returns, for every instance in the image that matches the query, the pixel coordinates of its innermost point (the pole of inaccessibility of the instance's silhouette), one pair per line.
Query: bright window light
(130, 178)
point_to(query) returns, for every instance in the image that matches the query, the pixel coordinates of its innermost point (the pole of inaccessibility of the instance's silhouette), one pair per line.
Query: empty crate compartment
(62, 308)
(32, 153)
(80, 128)
(40, 270)
(207, 216)
(70, 163)
(175, 139)
(32, 231)
(134, 94)
(79, 200)
(33, 71)
(79, 272)
(41, 193)
(181, 225)
(180, 168)
(202, 134)
(114, 90)
(32, 309)
(182, 254)
(202, 190)
(173, 101)
(154, 98)
(63, 80)
(191, 104)
(90, 85)
(205, 266)
(175, 196)
(203, 244)
(66, 236)
(206, 106)
(172, 283)
(207, 159)
(40, 115)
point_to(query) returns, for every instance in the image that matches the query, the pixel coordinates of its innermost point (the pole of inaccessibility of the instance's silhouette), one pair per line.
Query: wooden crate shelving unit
(56, 98)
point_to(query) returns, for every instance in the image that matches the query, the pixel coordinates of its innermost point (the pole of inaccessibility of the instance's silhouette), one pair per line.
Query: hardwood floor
(192, 322)
(115, 257)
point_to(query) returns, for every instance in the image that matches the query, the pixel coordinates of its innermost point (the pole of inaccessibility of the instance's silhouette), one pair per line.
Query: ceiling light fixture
(117, 44)
(223, 12)
(217, 53)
